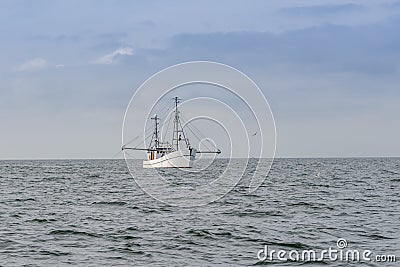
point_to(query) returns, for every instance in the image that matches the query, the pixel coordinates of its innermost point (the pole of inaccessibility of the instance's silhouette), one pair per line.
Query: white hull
(177, 159)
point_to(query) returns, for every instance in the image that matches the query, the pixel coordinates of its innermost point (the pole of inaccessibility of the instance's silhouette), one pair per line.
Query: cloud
(392, 6)
(32, 65)
(110, 58)
(368, 49)
(322, 10)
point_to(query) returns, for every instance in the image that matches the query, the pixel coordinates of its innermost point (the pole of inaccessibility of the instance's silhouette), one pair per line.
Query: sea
(94, 213)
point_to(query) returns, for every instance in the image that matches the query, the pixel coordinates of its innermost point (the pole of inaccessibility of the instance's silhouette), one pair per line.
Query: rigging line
(195, 135)
(147, 131)
(166, 131)
(190, 129)
(149, 127)
(184, 135)
(199, 138)
(116, 154)
(135, 138)
(206, 139)
(201, 135)
(147, 137)
(165, 109)
(120, 151)
(161, 111)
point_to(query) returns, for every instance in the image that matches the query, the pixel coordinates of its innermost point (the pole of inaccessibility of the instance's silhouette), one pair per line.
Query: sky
(329, 70)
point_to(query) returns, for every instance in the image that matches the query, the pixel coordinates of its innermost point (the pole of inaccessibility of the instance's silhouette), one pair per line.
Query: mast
(156, 138)
(175, 136)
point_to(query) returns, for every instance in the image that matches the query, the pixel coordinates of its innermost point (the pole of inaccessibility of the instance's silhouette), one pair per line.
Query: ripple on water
(111, 203)
(91, 213)
(68, 232)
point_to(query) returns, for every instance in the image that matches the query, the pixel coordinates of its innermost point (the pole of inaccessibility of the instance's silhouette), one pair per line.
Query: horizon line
(307, 157)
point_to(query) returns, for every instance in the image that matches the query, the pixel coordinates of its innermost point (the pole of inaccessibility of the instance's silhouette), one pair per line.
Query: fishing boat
(177, 154)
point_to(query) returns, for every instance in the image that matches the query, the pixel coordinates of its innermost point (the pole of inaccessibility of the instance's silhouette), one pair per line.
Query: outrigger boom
(150, 149)
(135, 148)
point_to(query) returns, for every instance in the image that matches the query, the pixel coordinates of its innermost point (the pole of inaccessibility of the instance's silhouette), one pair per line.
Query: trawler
(177, 154)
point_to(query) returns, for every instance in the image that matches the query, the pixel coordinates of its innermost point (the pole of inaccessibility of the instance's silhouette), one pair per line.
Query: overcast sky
(329, 69)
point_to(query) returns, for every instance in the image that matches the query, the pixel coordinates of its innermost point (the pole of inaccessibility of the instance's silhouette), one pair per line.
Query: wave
(73, 232)
(113, 203)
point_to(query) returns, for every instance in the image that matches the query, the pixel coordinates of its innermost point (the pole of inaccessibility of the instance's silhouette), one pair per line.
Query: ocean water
(92, 213)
